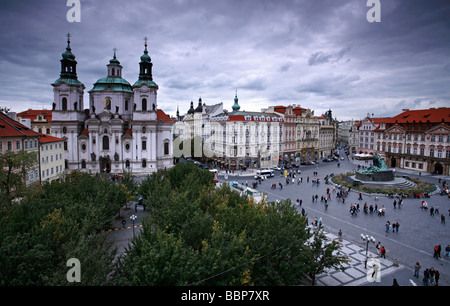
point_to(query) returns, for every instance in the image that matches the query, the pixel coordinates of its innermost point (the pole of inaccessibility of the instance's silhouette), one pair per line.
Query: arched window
(105, 143)
(144, 104)
(144, 163)
(154, 107)
(64, 104)
(83, 164)
(127, 163)
(126, 105)
(113, 71)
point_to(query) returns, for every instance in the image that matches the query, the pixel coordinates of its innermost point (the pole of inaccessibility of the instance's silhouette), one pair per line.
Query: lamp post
(367, 239)
(133, 217)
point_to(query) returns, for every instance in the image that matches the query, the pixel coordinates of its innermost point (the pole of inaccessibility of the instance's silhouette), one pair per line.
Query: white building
(122, 130)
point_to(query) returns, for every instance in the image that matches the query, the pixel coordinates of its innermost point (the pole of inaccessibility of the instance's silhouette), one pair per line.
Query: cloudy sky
(319, 54)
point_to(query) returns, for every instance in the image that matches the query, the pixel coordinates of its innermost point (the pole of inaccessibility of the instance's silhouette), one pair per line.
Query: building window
(64, 104)
(83, 164)
(65, 145)
(105, 143)
(17, 144)
(166, 148)
(144, 145)
(25, 145)
(127, 163)
(439, 153)
(126, 105)
(127, 146)
(144, 163)
(432, 152)
(144, 104)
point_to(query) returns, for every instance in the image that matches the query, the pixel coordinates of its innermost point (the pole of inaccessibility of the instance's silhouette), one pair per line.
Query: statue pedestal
(379, 176)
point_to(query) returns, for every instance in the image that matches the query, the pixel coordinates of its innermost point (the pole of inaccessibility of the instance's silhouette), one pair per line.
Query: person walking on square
(378, 248)
(388, 224)
(397, 226)
(383, 252)
(417, 269)
(436, 277)
(426, 275)
(431, 273)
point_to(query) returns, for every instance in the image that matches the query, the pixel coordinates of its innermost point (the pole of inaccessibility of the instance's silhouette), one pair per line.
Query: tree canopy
(197, 234)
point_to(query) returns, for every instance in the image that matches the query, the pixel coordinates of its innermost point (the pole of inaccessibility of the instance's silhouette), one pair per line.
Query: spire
(114, 60)
(145, 66)
(191, 110)
(114, 67)
(236, 106)
(68, 63)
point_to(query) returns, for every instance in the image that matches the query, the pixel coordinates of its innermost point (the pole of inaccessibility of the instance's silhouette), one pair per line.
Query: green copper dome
(68, 54)
(145, 57)
(113, 84)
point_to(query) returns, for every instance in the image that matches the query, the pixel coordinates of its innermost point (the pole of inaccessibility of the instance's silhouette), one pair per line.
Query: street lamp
(133, 217)
(368, 240)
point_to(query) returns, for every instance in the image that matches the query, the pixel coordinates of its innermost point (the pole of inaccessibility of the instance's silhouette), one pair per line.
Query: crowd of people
(339, 194)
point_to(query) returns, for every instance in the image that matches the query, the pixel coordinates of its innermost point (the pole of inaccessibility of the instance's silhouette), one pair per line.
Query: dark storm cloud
(318, 53)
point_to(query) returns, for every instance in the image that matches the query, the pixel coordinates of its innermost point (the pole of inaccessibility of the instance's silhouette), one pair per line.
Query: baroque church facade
(122, 130)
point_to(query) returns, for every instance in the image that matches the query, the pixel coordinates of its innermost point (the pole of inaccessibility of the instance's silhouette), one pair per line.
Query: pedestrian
(431, 273)
(436, 277)
(388, 224)
(395, 204)
(447, 250)
(439, 251)
(383, 252)
(397, 226)
(435, 255)
(393, 226)
(426, 275)
(378, 248)
(394, 283)
(417, 269)
(442, 219)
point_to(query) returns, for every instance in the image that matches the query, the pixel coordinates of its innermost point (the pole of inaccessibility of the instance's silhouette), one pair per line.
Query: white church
(123, 130)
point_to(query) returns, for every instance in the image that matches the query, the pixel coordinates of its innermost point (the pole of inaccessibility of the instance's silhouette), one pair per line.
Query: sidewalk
(355, 274)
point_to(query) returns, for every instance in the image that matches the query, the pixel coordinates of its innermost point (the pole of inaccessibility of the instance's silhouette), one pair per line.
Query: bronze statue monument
(377, 172)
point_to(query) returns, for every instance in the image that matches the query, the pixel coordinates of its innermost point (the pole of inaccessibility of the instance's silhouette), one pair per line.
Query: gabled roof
(12, 128)
(161, 115)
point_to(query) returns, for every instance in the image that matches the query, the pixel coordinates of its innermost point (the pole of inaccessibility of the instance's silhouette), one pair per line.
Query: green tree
(321, 254)
(13, 168)
(61, 221)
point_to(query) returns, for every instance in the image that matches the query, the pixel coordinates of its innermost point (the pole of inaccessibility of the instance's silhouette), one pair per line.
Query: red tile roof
(47, 138)
(161, 115)
(33, 114)
(12, 128)
(434, 115)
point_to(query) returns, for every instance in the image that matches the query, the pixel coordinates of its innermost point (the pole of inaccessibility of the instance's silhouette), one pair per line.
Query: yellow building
(51, 158)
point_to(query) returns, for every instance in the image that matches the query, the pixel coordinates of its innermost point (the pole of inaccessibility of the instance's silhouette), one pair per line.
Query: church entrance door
(105, 164)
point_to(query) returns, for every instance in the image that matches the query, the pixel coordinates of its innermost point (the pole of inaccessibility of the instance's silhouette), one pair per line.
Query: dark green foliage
(201, 235)
(61, 221)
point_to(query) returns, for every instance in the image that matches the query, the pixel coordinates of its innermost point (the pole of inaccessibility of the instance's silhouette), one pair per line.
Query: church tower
(145, 90)
(68, 91)
(68, 108)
